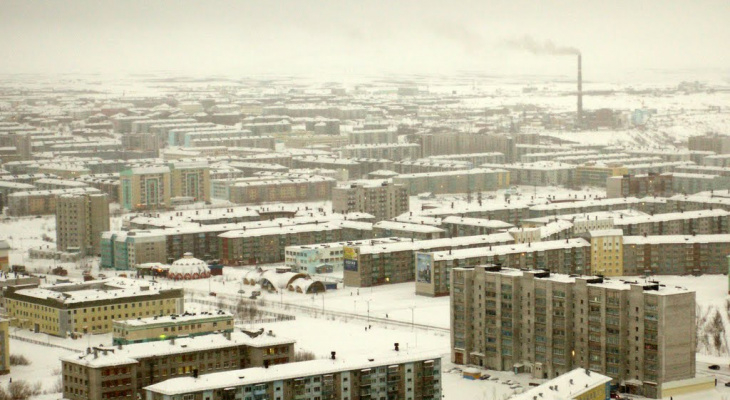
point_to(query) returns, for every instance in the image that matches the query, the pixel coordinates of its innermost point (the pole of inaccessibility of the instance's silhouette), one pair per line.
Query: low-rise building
(76, 308)
(122, 372)
(702, 222)
(392, 376)
(465, 226)
(321, 258)
(167, 327)
(675, 254)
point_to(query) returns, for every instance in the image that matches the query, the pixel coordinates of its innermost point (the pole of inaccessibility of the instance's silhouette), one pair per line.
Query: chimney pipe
(333, 353)
(579, 116)
(396, 346)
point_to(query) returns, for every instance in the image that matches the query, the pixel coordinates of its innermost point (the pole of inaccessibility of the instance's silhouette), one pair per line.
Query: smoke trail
(528, 43)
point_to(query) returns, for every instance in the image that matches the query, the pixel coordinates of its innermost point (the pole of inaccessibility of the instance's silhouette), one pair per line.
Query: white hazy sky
(397, 36)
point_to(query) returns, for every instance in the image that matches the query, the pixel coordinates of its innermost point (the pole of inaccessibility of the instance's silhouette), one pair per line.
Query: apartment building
(145, 188)
(511, 213)
(76, 308)
(465, 226)
(190, 179)
(460, 181)
(268, 245)
(607, 258)
(642, 335)
(640, 185)
(712, 142)
(597, 174)
(321, 258)
(569, 256)
(702, 222)
(119, 373)
(372, 136)
(406, 230)
(124, 250)
(648, 205)
(40, 202)
(473, 158)
(675, 254)
(313, 188)
(167, 327)
(543, 173)
(449, 143)
(80, 220)
(391, 376)
(423, 165)
(382, 199)
(384, 263)
(388, 151)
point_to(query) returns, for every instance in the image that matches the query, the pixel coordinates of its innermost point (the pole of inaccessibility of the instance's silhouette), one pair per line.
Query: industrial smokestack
(579, 115)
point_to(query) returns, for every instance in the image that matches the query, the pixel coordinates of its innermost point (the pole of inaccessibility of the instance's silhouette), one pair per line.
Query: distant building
(607, 258)
(382, 199)
(80, 220)
(459, 181)
(167, 327)
(145, 188)
(597, 174)
(720, 144)
(190, 179)
(639, 185)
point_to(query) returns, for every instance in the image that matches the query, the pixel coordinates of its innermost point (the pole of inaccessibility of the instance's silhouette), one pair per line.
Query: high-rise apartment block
(382, 199)
(80, 220)
(640, 334)
(190, 179)
(145, 188)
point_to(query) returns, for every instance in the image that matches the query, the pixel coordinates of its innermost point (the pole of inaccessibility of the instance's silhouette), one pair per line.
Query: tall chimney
(579, 116)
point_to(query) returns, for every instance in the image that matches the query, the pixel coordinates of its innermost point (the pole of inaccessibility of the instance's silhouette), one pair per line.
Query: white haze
(310, 37)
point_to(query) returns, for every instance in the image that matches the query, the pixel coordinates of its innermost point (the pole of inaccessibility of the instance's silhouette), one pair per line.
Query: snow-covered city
(359, 201)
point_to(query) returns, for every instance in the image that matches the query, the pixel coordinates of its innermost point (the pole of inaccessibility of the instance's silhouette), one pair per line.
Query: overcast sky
(309, 36)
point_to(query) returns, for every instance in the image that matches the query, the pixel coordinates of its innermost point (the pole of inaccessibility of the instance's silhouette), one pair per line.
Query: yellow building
(4, 347)
(607, 252)
(190, 179)
(578, 384)
(597, 174)
(90, 307)
(4, 256)
(145, 188)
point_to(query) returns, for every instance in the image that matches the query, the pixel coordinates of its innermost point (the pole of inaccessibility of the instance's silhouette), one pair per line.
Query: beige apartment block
(80, 220)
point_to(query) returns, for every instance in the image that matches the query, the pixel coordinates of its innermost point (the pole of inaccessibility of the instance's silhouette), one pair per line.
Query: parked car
(714, 367)
(212, 294)
(727, 384)
(484, 377)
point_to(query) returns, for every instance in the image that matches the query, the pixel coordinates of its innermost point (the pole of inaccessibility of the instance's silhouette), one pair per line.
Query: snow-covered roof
(402, 226)
(606, 232)
(686, 215)
(133, 352)
(676, 239)
(509, 249)
(426, 245)
(487, 223)
(570, 385)
(250, 376)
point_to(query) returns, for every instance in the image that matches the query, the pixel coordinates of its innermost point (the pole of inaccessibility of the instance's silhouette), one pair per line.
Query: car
(714, 367)
(494, 379)
(484, 377)
(241, 291)
(727, 384)
(534, 384)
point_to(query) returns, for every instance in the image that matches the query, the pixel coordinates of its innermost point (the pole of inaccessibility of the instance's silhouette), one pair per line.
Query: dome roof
(188, 265)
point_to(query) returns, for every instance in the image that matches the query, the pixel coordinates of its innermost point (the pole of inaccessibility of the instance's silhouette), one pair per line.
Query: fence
(42, 343)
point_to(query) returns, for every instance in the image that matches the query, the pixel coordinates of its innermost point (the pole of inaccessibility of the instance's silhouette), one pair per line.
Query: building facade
(388, 377)
(382, 199)
(145, 188)
(640, 335)
(80, 220)
(76, 308)
(121, 373)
